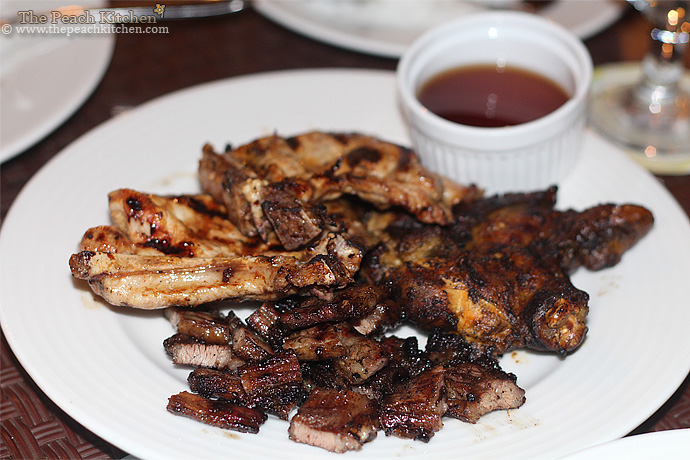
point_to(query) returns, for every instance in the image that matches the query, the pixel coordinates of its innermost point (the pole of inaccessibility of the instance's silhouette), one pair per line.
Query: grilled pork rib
(273, 187)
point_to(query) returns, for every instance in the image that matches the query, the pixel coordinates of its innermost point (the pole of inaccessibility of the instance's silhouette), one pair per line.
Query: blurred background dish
(34, 66)
(387, 27)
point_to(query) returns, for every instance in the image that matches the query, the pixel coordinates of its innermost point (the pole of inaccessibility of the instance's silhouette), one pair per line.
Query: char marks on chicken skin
(499, 275)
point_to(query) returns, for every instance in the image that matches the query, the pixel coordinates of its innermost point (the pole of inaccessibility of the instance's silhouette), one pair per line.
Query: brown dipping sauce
(490, 96)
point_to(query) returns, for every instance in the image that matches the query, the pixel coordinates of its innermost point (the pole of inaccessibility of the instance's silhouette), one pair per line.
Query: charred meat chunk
(212, 383)
(209, 327)
(473, 390)
(354, 301)
(221, 414)
(249, 346)
(274, 385)
(416, 407)
(335, 420)
(186, 350)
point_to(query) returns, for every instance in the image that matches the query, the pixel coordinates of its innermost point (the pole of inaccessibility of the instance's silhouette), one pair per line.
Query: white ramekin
(524, 157)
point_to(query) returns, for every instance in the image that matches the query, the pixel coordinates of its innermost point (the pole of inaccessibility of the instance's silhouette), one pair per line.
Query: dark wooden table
(145, 66)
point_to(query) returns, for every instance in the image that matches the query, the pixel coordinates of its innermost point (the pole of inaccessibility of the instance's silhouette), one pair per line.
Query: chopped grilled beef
(385, 316)
(416, 407)
(474, 382)
(354, 301)
(317, 343)
(249, 346)
(212, 383)
(266, 322)
(473, 390)
(406, 361)
(186, 350)
(208, 326)
(364, 356)
(274, 385)
(335, 420)
(221, 414)
(322, 374)
(353, 355)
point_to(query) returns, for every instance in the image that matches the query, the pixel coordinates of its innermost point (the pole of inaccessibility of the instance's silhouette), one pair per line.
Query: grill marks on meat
(274, 187)
(183, 251)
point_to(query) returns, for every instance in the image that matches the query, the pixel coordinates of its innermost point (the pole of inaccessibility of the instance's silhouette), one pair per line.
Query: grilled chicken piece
(595, 238)
(416, 407)
(180, 251)
(221, 414)
(499, 274)
(273, 187)
(501, 300)
(186, 350)
(335, 420)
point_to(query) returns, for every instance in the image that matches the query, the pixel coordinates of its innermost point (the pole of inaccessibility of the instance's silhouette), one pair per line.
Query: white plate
(661, 445)
(44, 79)
(106, 366)
(387, 27)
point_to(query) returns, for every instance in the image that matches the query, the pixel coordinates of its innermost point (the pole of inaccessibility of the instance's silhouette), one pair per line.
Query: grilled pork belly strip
(150, 282)
(182, 251)
(335, 420)
(221, 414)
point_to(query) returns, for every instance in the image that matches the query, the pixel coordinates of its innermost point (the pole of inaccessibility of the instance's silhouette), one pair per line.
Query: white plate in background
(387, 27)
(660, 445)
(44, 78)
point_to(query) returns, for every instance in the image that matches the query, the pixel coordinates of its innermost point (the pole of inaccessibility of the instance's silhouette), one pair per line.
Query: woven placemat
(32, 427)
